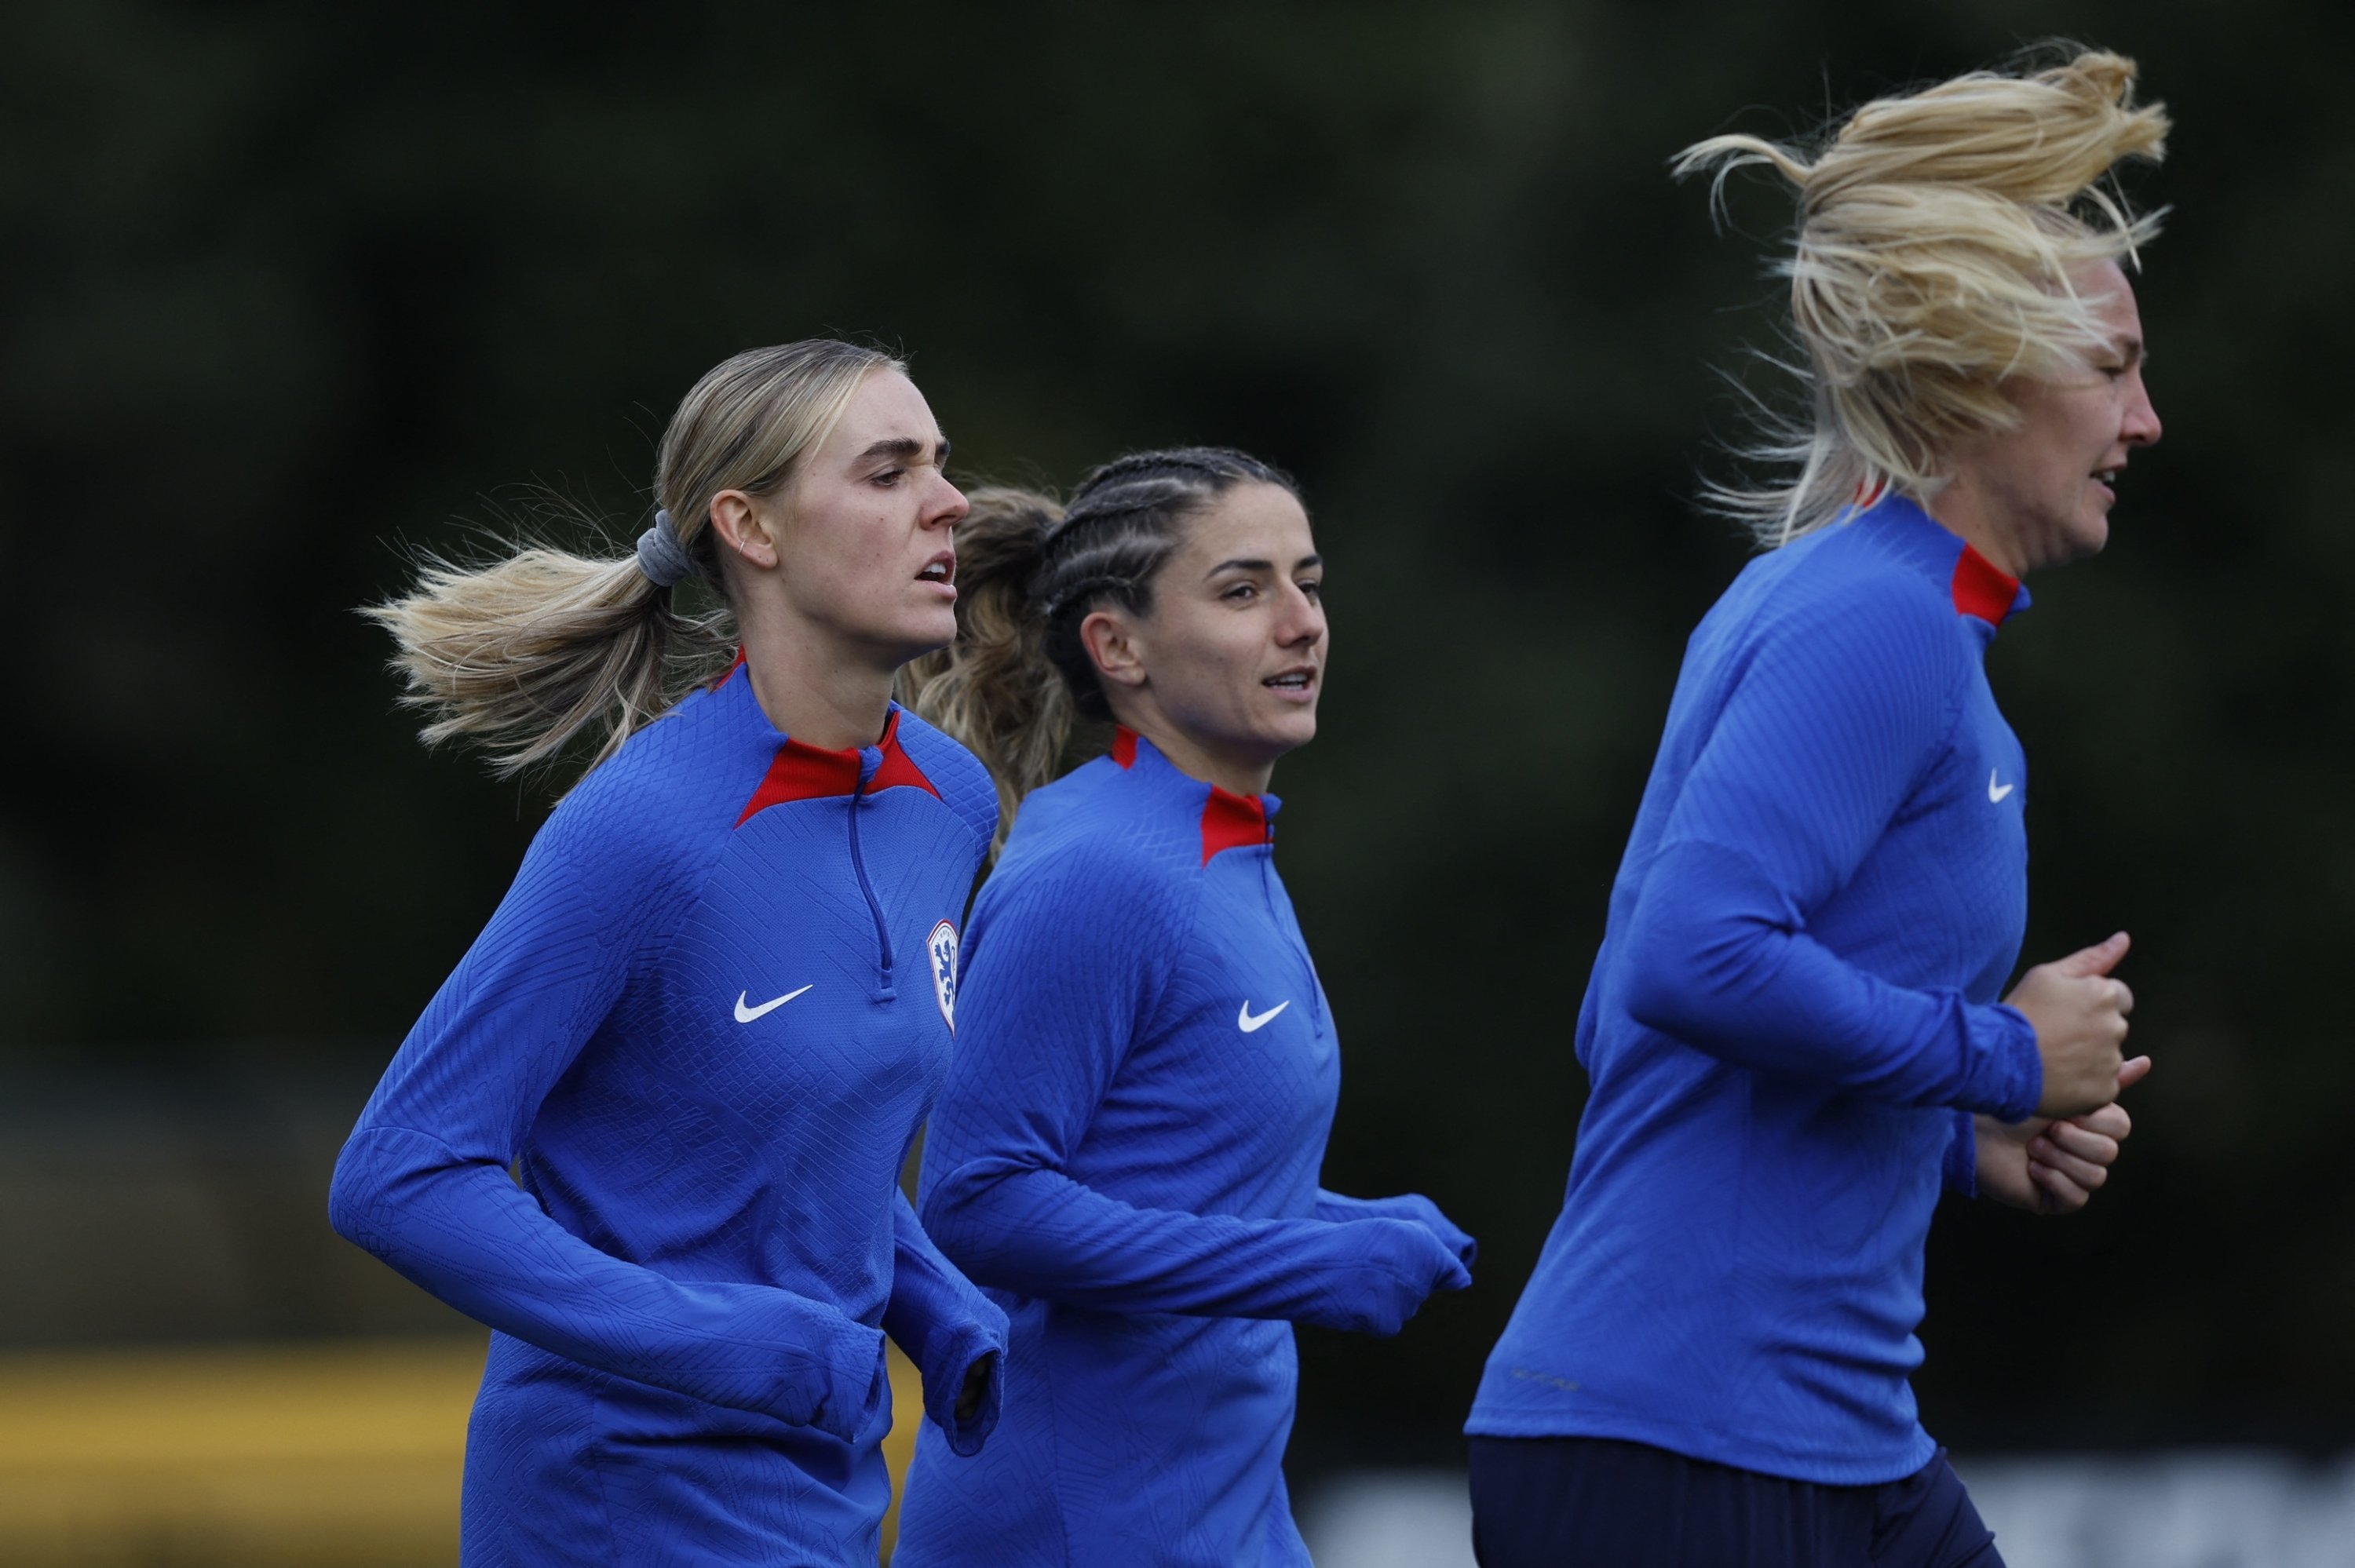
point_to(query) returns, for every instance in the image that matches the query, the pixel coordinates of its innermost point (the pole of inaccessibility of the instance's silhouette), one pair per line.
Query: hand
(2049, 1167)
(2079, 1016)
(976, 1386)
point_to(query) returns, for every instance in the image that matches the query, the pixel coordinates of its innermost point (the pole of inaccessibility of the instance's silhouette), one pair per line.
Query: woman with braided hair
(1126, 1152)
(1792, 1029)
(705, 1023)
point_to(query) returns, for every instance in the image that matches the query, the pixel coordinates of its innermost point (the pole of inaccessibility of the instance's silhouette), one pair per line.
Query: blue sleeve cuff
(945, 1381)
(1961, 1167)
(2006, 1078)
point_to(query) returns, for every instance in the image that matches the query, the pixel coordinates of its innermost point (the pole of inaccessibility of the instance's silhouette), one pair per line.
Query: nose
(1303, 620)
(2141, 427)
(946, 506)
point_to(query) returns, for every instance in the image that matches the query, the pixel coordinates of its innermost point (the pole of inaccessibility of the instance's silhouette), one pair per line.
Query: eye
(888, 477)
(1241, 593)
(1313, 588)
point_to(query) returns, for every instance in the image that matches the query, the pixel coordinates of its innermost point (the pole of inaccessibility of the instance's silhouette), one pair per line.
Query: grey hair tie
(660, 554)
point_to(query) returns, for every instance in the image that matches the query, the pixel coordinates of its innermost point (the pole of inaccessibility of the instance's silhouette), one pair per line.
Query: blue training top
(1791, 1019)
(1127, 1153)
(706, 1021)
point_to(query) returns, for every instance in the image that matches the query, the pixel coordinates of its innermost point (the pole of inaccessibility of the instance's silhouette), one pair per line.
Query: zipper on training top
(869, 759)
(1289, 929)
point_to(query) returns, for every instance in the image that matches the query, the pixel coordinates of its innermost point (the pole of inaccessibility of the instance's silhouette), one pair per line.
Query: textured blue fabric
(691, 1284)
(1791, 1019)
(1134, 1175)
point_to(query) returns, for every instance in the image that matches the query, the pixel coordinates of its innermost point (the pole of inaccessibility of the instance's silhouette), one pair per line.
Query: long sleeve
(946, 1326)
(1062, 975)
(1036, 1231)
(1816, 748)
(1414, 1206)
(424, 1181)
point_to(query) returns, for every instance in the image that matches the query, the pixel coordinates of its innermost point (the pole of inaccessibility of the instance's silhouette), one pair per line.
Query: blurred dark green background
(285, 287)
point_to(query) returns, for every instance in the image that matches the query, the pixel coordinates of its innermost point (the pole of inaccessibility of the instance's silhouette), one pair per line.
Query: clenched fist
(2080, 1014)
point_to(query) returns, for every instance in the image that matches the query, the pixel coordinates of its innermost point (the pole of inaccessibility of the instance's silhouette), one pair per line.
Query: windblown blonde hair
(1942, 235)
(522, 655)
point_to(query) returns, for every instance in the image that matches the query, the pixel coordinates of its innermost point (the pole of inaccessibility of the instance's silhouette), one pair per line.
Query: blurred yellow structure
(336, 1456)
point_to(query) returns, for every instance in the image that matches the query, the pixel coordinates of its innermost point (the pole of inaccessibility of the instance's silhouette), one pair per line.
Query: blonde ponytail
(524, 654)
(1940, 237)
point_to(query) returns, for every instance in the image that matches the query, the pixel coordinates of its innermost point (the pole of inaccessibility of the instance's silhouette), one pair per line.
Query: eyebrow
(1249, 565)
(907, 448)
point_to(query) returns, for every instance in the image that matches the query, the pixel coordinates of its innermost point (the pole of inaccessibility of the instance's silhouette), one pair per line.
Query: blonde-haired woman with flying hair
(1793, 1029)
(705, 1023)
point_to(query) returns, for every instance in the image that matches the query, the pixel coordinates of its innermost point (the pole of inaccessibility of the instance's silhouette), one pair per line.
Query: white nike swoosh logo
(1995, 795)
(1247, 1024)
(746, 1014)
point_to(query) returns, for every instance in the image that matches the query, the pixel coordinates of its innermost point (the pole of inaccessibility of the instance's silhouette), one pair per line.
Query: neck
(1210, 764)
(819, 694)
(1960, 509)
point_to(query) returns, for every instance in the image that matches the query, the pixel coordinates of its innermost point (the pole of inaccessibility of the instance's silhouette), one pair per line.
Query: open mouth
(941, 568)
(1293, 683)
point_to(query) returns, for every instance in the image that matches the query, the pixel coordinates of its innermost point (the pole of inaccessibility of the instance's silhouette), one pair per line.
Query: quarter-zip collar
(799, 771)
(1979, 588)
(1227, 820)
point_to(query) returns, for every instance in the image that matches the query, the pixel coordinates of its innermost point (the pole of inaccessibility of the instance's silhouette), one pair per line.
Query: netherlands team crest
(940, 947)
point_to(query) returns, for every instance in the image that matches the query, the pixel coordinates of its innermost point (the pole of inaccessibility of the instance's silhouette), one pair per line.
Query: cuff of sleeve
(841, 1387)
(1961, 1170)
(944, 1375)
(2007, 1075)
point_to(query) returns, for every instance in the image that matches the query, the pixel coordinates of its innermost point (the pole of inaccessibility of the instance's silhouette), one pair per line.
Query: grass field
(332, 1455)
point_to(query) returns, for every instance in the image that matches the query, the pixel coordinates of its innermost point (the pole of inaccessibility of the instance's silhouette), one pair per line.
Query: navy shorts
(1568, 1502)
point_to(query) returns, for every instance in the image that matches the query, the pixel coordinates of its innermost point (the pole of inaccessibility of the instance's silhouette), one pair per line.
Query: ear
(745, 527)
(1110, 640)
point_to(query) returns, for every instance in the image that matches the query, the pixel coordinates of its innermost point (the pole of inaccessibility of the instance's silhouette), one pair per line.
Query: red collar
(1229, 821)
(1983, 588)
(803, 772)
(1978, 587)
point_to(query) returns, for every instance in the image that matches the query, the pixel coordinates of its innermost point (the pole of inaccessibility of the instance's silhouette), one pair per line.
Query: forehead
(1249, 521)
(2113, 291)
(886, 407)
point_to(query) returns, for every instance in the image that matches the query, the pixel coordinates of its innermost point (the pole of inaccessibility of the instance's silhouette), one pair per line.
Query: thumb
(2133, 1073)
(2098, 959)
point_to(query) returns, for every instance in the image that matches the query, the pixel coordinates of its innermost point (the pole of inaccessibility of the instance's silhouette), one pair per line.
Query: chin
(1293, 731)
(2089, 538)
(928, 631)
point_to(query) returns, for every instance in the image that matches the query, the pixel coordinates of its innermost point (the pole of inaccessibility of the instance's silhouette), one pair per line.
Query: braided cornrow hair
(1016, 681)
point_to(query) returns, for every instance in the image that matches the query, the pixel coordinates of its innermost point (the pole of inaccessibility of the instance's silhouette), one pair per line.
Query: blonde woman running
(707, 1018)
(1793, 1029)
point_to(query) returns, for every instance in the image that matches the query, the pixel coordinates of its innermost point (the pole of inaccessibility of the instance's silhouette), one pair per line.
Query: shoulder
(1838, 607)
(660, 807)
(1080, 845)
(958, 776)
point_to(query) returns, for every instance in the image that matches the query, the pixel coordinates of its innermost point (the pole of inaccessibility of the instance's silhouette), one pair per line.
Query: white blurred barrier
(2228, 1509)
(2237, 1508)
(1389, 1519)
